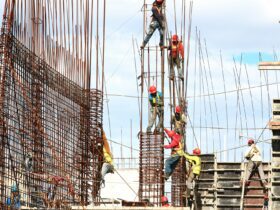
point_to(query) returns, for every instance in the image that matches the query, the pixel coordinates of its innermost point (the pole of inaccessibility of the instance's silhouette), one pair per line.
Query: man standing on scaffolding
(156, 109)
(157, 22)
(176, 57)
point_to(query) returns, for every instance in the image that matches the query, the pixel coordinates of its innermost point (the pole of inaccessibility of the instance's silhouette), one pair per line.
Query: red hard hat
(164, 199)
(178, 109)
(153, 89)
(251, 141)
(159, 1)
(175, 38)
(196, 151)
(169, 133)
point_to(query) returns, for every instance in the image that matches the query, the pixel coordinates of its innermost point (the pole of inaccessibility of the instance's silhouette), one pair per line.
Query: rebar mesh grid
(178, 184)
(151, 168)
(48, 125)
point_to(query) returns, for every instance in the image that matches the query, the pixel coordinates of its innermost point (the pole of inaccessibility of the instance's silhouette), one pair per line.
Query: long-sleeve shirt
(156, 100)
(253, 153)
(106, 150)
(195, 162)
(157, 14)
(175, 145)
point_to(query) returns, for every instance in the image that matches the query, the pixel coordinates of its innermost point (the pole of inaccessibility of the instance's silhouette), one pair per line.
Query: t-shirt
(253, 153)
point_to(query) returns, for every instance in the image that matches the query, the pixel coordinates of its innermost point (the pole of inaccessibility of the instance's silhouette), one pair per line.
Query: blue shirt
(157, 100)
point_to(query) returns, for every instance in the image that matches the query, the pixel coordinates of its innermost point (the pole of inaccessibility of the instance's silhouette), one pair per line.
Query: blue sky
(233, 27)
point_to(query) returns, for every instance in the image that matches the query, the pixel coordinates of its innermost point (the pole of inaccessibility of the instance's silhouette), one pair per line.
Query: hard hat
(153, 89)
(178, 109)
(175, 38)
(196, 151)
(14, 188)
(250, 141)
(169, 133)
(164, 199)
(159, 1)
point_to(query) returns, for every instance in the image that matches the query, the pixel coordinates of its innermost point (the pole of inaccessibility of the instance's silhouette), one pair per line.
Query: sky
(229, 28)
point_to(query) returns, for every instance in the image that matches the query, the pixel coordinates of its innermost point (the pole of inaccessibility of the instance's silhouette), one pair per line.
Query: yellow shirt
(106, 150)
(195, 162)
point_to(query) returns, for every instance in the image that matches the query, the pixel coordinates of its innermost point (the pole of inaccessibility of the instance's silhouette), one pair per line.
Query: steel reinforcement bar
(48, 127)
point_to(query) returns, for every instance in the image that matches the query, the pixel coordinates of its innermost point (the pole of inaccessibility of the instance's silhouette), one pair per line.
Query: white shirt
(254, 152)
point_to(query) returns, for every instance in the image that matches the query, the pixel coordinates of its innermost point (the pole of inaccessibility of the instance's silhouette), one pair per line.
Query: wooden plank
(264, 66)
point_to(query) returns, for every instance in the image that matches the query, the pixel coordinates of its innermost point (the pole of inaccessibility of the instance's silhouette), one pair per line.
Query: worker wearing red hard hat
(176, 152)
(179, 120)
(157, 22)
(164, 201)
(194, 163)
(156, 109)
(176, 56)
(253, 155)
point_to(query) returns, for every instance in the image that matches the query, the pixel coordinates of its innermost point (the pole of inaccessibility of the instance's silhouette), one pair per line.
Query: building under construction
(52, 118)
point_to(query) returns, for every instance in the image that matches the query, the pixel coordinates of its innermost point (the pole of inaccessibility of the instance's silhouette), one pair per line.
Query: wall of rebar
(50, 129)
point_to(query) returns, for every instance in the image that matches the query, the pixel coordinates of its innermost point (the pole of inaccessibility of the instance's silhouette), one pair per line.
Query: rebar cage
(51, 132)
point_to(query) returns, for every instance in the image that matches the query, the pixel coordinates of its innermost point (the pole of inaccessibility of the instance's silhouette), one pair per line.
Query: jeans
(170, 165)
(250, 168)
(106, 168)
(153, 26)
(154, 112)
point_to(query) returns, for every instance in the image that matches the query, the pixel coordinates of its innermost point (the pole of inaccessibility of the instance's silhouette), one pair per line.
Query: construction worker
(156, 109)
(176, 152)
(253, 155)
(157, 22)
(164, 201)
(108, 165)
(179, 120)
(176, 56)
(15, 197)
(194, 169)
(52, 188)
(28, 162)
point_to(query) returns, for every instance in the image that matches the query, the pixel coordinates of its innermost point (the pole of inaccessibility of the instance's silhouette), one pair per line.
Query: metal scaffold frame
(151, 176)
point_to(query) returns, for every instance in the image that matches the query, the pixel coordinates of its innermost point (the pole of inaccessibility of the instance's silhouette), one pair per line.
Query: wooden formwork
(219, 186)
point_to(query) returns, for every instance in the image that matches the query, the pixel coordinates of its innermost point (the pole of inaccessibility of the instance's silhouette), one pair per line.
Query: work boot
(166, 177)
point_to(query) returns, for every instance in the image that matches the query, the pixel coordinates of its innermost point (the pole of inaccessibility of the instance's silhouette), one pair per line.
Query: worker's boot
(166, 177)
